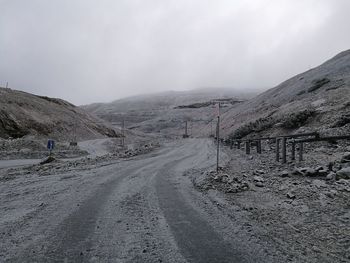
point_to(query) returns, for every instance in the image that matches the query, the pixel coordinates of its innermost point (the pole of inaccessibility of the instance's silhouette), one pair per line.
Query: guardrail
(281, 143)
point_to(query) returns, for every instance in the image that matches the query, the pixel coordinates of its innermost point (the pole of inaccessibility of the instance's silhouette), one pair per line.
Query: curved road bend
(140, 214)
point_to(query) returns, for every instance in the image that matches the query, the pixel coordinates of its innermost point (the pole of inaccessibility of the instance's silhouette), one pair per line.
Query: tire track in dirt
(197, 240)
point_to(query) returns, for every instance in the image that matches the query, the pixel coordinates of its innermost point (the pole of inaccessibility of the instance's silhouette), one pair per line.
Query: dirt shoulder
(291, 209)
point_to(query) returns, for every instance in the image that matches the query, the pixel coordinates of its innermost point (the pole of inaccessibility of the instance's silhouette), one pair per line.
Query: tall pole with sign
(218, 137)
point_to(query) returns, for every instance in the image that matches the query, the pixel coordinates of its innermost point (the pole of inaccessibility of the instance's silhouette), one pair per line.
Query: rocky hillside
(24, 114)
(318, 99)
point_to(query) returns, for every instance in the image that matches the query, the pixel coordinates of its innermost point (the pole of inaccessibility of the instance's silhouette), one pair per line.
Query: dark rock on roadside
(345, 158)
(343, 173)
(331, 176)
(258, 172)
(310, 172)
(291, 196)
(258, 181)
(49, 159)
(259, 184)
(285, 174)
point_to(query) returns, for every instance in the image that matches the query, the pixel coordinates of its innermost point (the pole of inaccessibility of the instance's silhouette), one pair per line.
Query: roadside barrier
(282, 142)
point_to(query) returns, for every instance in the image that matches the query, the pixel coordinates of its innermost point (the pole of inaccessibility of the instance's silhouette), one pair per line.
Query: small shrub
(346, 104)
(298, 119)
(301, 92)
(195, 105)
(9, 127)
(255, 126)
(342, 121)
(316, 84)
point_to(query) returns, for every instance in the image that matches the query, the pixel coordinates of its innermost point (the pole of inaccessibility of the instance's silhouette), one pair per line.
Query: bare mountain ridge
(318, 99)
(24, 114)
(166, 99)
(166, 112)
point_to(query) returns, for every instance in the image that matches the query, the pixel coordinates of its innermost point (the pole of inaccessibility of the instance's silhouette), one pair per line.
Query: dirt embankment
(24, 114)
(302, 209)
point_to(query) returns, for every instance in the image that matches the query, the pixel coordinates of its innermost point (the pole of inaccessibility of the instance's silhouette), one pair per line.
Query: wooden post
(301, 149)
(247, 147)
(258, 146)
(284, 150)
(231, 146)
(218, 139)
(123, 133)
(277, 149)
(293, 151)
(238, 144)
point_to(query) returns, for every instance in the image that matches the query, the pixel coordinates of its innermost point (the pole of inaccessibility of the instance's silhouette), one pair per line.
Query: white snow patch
(318, 103)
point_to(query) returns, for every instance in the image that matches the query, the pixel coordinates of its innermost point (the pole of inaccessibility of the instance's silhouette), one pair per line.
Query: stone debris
(258, 172)
(258, 181)
(319, 183)
(331, 193)
(290, 195)
(225, 182)
(285, 174)
(331, 176)
(345, 158)
(259, 184)
(298, 203)
(344, 173)
(49, 159)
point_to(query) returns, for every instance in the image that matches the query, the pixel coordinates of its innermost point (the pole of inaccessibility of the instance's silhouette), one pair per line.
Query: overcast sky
(87, 51)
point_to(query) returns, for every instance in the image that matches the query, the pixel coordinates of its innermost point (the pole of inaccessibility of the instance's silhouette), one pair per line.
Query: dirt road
(138, 210)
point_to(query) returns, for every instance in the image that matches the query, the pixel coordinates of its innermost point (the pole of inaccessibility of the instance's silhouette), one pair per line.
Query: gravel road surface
(143, 209)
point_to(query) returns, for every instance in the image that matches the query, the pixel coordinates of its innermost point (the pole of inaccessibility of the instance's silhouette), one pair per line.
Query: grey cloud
(87, 51)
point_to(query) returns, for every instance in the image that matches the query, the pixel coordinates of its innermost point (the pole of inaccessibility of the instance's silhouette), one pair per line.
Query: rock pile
(225, 182)
(258, 181)
(334, 171)
(309, 172)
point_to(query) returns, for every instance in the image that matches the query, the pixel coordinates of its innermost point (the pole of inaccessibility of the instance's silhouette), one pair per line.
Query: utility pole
(75, 142)
(218, 137)
(185, 135)
(123, 132)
